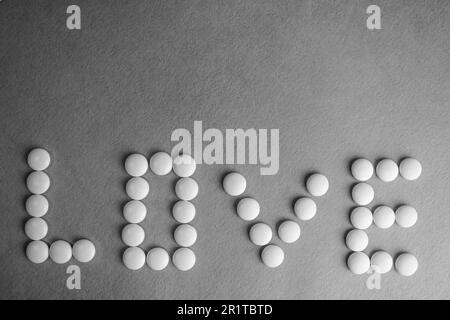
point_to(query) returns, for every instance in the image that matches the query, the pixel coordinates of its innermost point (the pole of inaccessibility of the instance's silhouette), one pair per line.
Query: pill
(183, 211)
(38, 159)
(289, 231)
(133, 235)
(134, 211)
(137, 188)
(272, 256)
(406, 216)
(157, 259)
(184, 165)
(83, 250)
(358, 262)
(161, 163)
(186, 189)
(136, 165)
(60, 251)
(383, 217)
(381, 262)
(406, 264)
(361, 218)
(387, 170)
(362, 194)
(362, 169)
(36, 205)
(260, 234)
(317, 184)
(357, 240)
(248, 209)
(183, 259)
(305, 208)
(37, 251)
(133, 258)
(36, 228)
(410, 169)
(38, 182)
(185, 235)
(234, 184)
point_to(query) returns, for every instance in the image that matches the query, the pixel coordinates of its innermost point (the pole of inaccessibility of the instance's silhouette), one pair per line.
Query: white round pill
(137, 188)
(305, 208)
(317, 184)
(133, 258)
(36, 205)
(234, 184)
(387, 170)
(37, 251)
(60, 251)
(362, 194)
(406, 264)
(38, 159)
(183, 211)
(183, 259)
(38, 182)
(161, 163)
(410, 169)
(357, 240)
(383, 217)
(184, 165)
(134, 211)
(136, 165)
(157, 259)
(381, 262)
(272, 256)
(83, 250)
(248, 209)
(36, 228)
(133, 235)
(406, 216)
(358, 262)
(186, 189)
(185, 235)
(361, 218)
(289, 231)
(362, 169)
(260, 234)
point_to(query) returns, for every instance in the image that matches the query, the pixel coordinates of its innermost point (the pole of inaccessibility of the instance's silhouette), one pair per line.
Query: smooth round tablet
(183, 259)
(362, 169)
(305, 208)
(289, 231)
(362, 194)
(36, 205)
(406, 216)
(134, 211)
(38, 182)
(272, 256)
(185, 235)
(83, 250)
(136, 165)
(381, 262)
(383, 217)
(234, 184)
(36, 228)
(137, 188)
(133, 235)
(361, 218)
(157, 259)
(356, 240)
(260, 234)
(183, 211)
(184, 165)
(317, 184)
(60, 251)
(37, 251)
(387, 170)
(248, 209)
(186, 189)
(38, 159)
(358, 262)
(161, 163)
(410, 169)
(133, 258)
(406, 264)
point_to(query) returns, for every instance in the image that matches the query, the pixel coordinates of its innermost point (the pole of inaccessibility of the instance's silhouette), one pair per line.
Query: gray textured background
(139, 69)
